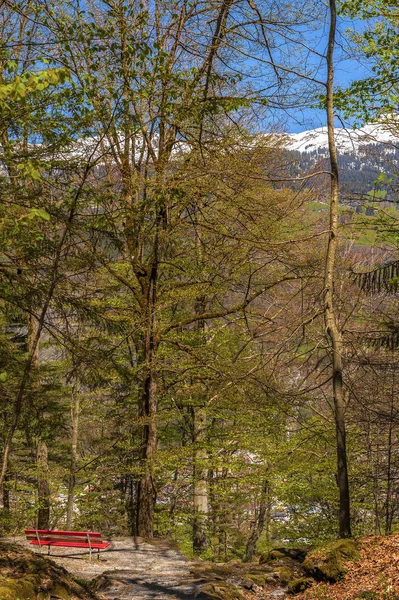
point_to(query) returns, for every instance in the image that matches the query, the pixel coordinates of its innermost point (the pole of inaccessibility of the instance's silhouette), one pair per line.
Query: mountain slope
(368, 160)
(349, 141)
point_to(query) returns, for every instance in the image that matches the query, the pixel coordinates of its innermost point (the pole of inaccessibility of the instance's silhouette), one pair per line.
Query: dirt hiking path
(130, 569)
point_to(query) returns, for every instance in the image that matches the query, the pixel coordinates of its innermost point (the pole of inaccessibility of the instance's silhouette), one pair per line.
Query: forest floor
(374, 576)
(133, 569)
(130, 569)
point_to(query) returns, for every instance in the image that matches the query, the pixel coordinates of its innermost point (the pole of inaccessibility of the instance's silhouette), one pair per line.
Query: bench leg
(89, 543)
(38, 542)
(49, 547)
(98, 554)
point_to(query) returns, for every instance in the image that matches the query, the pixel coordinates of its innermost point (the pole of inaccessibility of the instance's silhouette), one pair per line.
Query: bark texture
(258, 524)
(74, 456)
(201, 491)
(43, 480)
(146, 492)
(331, 320)
(43, 486)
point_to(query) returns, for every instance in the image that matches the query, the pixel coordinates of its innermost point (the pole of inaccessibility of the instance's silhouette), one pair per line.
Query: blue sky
(302, 120)
(348, 69)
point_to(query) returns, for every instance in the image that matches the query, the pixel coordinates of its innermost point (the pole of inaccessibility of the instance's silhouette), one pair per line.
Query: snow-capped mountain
(349, 141)
(368, 159)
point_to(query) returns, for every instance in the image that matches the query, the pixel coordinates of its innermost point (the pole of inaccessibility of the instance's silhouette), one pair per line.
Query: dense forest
(199, 329)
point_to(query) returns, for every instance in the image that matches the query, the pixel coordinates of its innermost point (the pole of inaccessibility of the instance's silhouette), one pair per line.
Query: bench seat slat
(59, 532)
(74, 544)
(67, 539)
(48, 540)
(59, 538)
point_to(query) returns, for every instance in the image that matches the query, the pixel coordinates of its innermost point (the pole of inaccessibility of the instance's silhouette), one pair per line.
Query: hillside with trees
(199, 328)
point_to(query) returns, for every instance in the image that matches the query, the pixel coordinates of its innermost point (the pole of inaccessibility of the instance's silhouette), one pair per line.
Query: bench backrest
(54, 535)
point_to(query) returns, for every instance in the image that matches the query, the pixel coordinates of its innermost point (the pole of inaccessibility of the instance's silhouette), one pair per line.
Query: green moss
(210, 572)
(61, 590)
(25, 587)
(223, 570)
(219, 591)
(328, 563)
(258, 579)
(296, 586)
(24, 573)
(267, 557)
(285, 574)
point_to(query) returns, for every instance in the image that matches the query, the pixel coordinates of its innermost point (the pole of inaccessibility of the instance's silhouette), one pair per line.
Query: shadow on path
(151, 589)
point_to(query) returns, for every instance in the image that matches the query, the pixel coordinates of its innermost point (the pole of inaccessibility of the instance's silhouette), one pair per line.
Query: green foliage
(100, 509)
(28, 83)
(374, 97)
(139, 225)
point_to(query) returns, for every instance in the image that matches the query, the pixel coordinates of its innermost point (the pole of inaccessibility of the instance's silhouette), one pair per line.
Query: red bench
(68, 539)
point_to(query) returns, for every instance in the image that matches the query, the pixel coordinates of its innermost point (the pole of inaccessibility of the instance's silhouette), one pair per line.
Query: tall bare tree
(331, 317)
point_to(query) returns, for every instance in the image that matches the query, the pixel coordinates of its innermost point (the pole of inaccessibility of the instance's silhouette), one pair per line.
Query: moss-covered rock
(219, 591)
(328, 562)
(296, 586)
(273, 578)
(100, 583)
(22, 587)
(270, 556)
(214, 571)
(255, 578)
(285, 574)
(277, 554)
(246, 583)
(61, 590)
(29, 576)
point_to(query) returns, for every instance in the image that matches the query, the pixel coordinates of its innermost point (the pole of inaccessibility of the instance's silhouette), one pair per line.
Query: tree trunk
(146, 492)
(201, 493)
(172, 505)
(258, 524)
(6, 493)
(146, 489)
(129, 494)
(43, 486)
(389, 508)
(331, 321)
(74, 456)
(199, 424)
